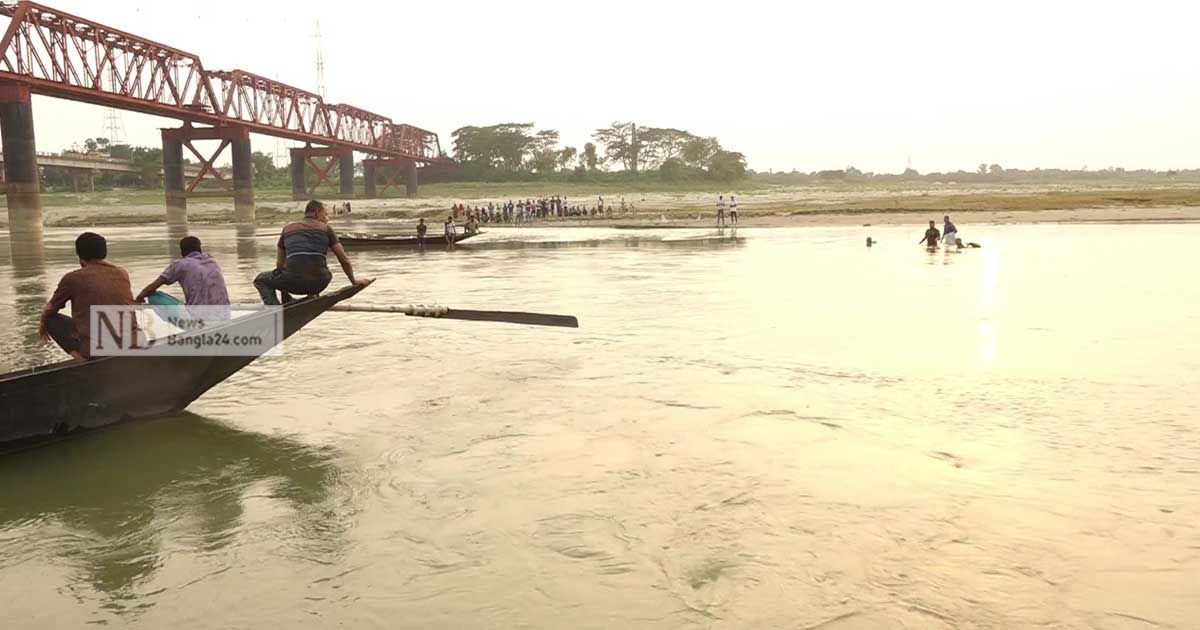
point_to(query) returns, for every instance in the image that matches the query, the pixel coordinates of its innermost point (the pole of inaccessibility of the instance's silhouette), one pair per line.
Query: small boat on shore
(380, 240)
(51, 401)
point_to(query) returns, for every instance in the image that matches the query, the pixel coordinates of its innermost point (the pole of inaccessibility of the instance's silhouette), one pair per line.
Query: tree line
(519, 151)
(982, 174)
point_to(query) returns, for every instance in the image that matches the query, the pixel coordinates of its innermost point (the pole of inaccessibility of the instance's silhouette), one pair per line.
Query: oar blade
(514, 317)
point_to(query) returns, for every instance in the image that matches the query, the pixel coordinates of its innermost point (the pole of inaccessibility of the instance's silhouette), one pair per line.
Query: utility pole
(633, 143)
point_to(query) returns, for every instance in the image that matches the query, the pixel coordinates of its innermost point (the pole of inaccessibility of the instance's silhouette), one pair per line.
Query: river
(774, 428)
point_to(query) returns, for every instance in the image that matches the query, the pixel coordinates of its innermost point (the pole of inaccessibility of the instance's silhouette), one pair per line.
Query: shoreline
(777, 207)
(646, 220)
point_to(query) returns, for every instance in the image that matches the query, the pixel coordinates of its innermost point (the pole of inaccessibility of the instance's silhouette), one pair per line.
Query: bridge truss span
(66, 56)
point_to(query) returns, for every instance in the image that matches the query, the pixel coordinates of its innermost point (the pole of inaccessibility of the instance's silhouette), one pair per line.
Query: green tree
(565, 157)
(121, 151)
(727, 166)
(265, 171)
(543, 154)
(698, 152)
(658, 145)
(505, 146)
(671, 170)
(149, 164)
(618, 142)
(589, 159)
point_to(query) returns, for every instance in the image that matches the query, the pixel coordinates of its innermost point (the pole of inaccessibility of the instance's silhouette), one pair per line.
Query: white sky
(790, 84)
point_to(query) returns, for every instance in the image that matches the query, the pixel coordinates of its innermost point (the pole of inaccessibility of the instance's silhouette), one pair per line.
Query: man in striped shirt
(300, 265)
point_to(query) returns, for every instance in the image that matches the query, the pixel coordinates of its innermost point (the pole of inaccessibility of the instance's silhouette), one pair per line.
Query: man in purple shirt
(196, 272)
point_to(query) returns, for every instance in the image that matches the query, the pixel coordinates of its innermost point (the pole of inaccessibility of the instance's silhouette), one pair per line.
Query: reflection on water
(247, 246)
(31, 289)
(27, 255)
(116, 504)
(176, 230)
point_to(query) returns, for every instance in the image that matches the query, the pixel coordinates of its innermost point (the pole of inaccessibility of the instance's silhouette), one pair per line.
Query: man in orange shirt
(96, 283)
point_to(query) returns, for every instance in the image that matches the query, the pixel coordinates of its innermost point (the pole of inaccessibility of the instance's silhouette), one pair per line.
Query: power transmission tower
(320, 62)
(114, 126)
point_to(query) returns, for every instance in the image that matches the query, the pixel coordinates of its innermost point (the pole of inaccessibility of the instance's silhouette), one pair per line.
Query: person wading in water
(931, 237)
(421, 229)
(450, 231)
(949, 232)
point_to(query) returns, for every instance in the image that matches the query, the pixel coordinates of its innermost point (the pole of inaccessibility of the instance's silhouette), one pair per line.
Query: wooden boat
(47, 402)
(379, 240)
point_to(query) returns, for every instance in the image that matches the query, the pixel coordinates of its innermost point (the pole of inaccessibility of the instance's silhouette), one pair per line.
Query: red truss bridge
(53, 53)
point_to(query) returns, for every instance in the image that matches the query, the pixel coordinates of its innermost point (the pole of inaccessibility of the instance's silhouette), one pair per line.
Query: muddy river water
(778, 428)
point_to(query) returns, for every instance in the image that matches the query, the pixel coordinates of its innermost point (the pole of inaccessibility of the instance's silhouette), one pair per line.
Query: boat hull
(360, 242)
(48, 402)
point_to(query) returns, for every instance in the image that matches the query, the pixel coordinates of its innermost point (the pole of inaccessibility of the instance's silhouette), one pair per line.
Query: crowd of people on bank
(531, 210)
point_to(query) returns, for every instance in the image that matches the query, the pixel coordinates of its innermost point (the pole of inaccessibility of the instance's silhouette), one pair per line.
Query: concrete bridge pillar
(369, 166)
(20, 162)
(173, 181)
(346, 174)
(243, 178)
(410, 188)
(299, 187)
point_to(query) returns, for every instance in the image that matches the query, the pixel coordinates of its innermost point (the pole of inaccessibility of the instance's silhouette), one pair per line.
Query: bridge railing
(66, 56)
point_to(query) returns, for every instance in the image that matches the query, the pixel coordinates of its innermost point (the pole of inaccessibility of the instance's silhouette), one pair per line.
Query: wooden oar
(417, 310)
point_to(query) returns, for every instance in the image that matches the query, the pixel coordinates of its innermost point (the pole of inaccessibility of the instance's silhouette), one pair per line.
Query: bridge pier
(173, 184)
(410, 185)
(243, 178)
(179, 189)
(302, 161)
(346, 174)
(369, 177)
(20, 162)
(299, 186)
(392, 170)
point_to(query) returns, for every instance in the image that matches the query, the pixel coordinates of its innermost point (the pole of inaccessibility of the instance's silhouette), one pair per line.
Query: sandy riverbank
(768, 207)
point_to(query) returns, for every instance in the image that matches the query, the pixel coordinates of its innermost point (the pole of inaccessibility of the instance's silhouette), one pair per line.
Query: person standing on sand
(931, 237)
(733, 209)
(721, 211)
(949, 232)
(421, 229)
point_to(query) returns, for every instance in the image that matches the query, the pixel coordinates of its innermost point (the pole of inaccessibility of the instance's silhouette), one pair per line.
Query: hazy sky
(790, 84)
